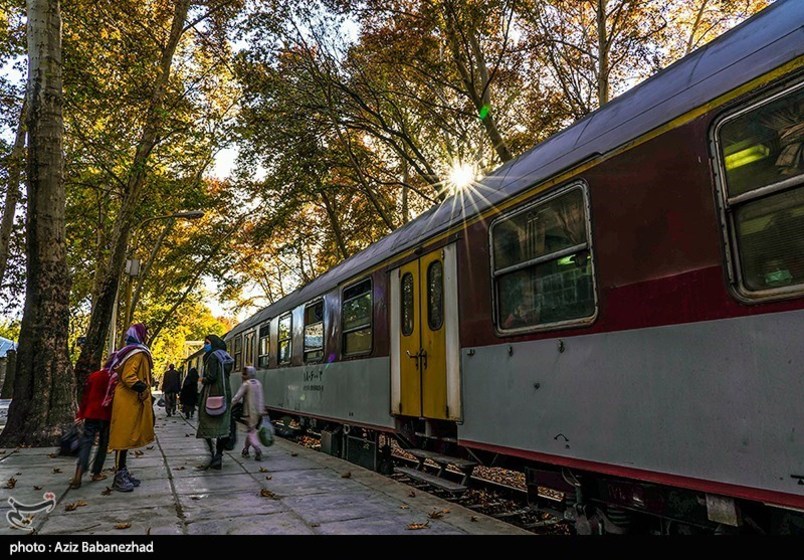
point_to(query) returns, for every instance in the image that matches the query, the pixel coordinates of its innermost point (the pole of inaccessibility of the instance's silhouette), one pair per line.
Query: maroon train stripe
(708, 486)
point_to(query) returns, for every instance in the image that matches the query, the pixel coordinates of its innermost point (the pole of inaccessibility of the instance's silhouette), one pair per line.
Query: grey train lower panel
(718, 401)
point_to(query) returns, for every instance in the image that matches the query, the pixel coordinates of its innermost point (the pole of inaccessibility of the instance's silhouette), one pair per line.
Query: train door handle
(413, 357)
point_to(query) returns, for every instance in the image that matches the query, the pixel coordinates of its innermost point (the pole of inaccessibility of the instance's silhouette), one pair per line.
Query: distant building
(5, 346)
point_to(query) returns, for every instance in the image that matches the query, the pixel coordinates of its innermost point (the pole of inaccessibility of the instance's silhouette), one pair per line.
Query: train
(618, 312)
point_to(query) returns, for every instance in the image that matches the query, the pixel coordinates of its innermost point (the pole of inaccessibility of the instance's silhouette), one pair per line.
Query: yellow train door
(422, 340)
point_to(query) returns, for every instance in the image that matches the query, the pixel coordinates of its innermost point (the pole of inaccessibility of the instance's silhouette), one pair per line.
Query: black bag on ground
(70, 441)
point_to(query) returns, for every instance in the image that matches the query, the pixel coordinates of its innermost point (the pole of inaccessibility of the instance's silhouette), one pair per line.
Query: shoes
(134, 481)
(217, 462)
(98, 477)
(258, 456)
(121, 482)
(245, 453)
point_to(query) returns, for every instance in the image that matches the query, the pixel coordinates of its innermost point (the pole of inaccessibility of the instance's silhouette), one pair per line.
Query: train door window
(248, 349)
(541, 263)
(285, 338)
(238, 353)
(435, 295)
(760, 151)
(264, 348)
(408, 311)
(314, 332)
(356, 317)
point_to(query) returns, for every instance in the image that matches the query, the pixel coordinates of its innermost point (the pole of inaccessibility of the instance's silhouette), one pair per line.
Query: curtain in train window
(248, 349)
(264, 349)
(356, 317)
(762, 154)
(314, 332)
(542, 268)
(285, 339)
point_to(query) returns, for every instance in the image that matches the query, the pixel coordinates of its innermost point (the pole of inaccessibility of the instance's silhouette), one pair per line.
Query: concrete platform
(307, 493)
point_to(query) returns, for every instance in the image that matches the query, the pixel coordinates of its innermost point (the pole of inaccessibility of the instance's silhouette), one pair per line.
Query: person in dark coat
(171, 385)
(215, 383)
(189, 393)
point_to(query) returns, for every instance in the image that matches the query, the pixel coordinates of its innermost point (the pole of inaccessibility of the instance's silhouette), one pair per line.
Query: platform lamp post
(133, 267)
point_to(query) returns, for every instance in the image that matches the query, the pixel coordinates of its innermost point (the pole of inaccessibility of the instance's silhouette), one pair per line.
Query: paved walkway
(294, 490)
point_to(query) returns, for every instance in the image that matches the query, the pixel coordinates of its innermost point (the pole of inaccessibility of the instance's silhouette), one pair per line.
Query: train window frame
(248, 347)
(429, 296)
(306, 350)
(588, 246)
(237, 352)
(288, 339)
(369, 325)
(266, 337)
(728, 204)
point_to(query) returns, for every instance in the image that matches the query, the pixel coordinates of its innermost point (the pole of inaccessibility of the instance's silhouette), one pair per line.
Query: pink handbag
(216, 406)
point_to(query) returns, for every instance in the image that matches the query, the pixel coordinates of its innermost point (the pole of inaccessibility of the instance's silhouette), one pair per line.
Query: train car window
(238, 353)
(314, 332)
(408, 312)
(264, 350)
(356, 318)
(435, 295)
(761, 158)
(248, 349)
(285, 338)
(542, 264)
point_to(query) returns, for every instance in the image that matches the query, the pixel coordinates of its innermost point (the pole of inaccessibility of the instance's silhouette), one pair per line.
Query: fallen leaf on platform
(263, 469)
(75, 505)
(269, 477)
(417, 526)
(138, 453)
(180, 468)
(347, 474)
(53, 455)
(148, 532)
(404, 506)
(186, 435)
(37, 487)
(17, 474)
(294, 454)
(412, 494)
(12, 482)
(122, 526)
(315, 524)
(150, 447)
(107, 492)
(473, 519)
(265, 493)
(56, 470)
(435, 514)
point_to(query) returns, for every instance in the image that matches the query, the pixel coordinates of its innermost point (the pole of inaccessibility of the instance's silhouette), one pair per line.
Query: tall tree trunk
(11, 368)
(336, 226)
(92, 351)
(13, 192)
(44, 388)
(602, 55)
(695, 25)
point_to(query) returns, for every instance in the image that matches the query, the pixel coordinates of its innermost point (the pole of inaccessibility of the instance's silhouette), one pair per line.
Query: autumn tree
(44, 387)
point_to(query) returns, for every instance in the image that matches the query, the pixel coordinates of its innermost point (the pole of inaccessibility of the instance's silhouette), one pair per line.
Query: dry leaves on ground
(265, 493)
(75, 505)
(186, 435)
(417, 526)
(473, 519)
(138, 453)
(17, 474)
(263, 469)
(404, 506)
(37, 487)
(107, 492)
(436, 514)
(122, 525)
(294, 454)
(180, 468)
(347, 474)
(56, 470)
(411, 494)
(12, 482)
(148, 532)
(150, 447)
(53, 455)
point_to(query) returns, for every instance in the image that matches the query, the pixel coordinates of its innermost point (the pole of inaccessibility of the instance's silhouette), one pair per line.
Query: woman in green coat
(215, 383)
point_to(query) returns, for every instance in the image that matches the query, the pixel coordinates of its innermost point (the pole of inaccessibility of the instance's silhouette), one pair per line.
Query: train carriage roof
(767, 40)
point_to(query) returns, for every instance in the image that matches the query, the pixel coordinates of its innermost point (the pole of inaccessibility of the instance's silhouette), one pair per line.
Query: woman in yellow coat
(132, 423)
